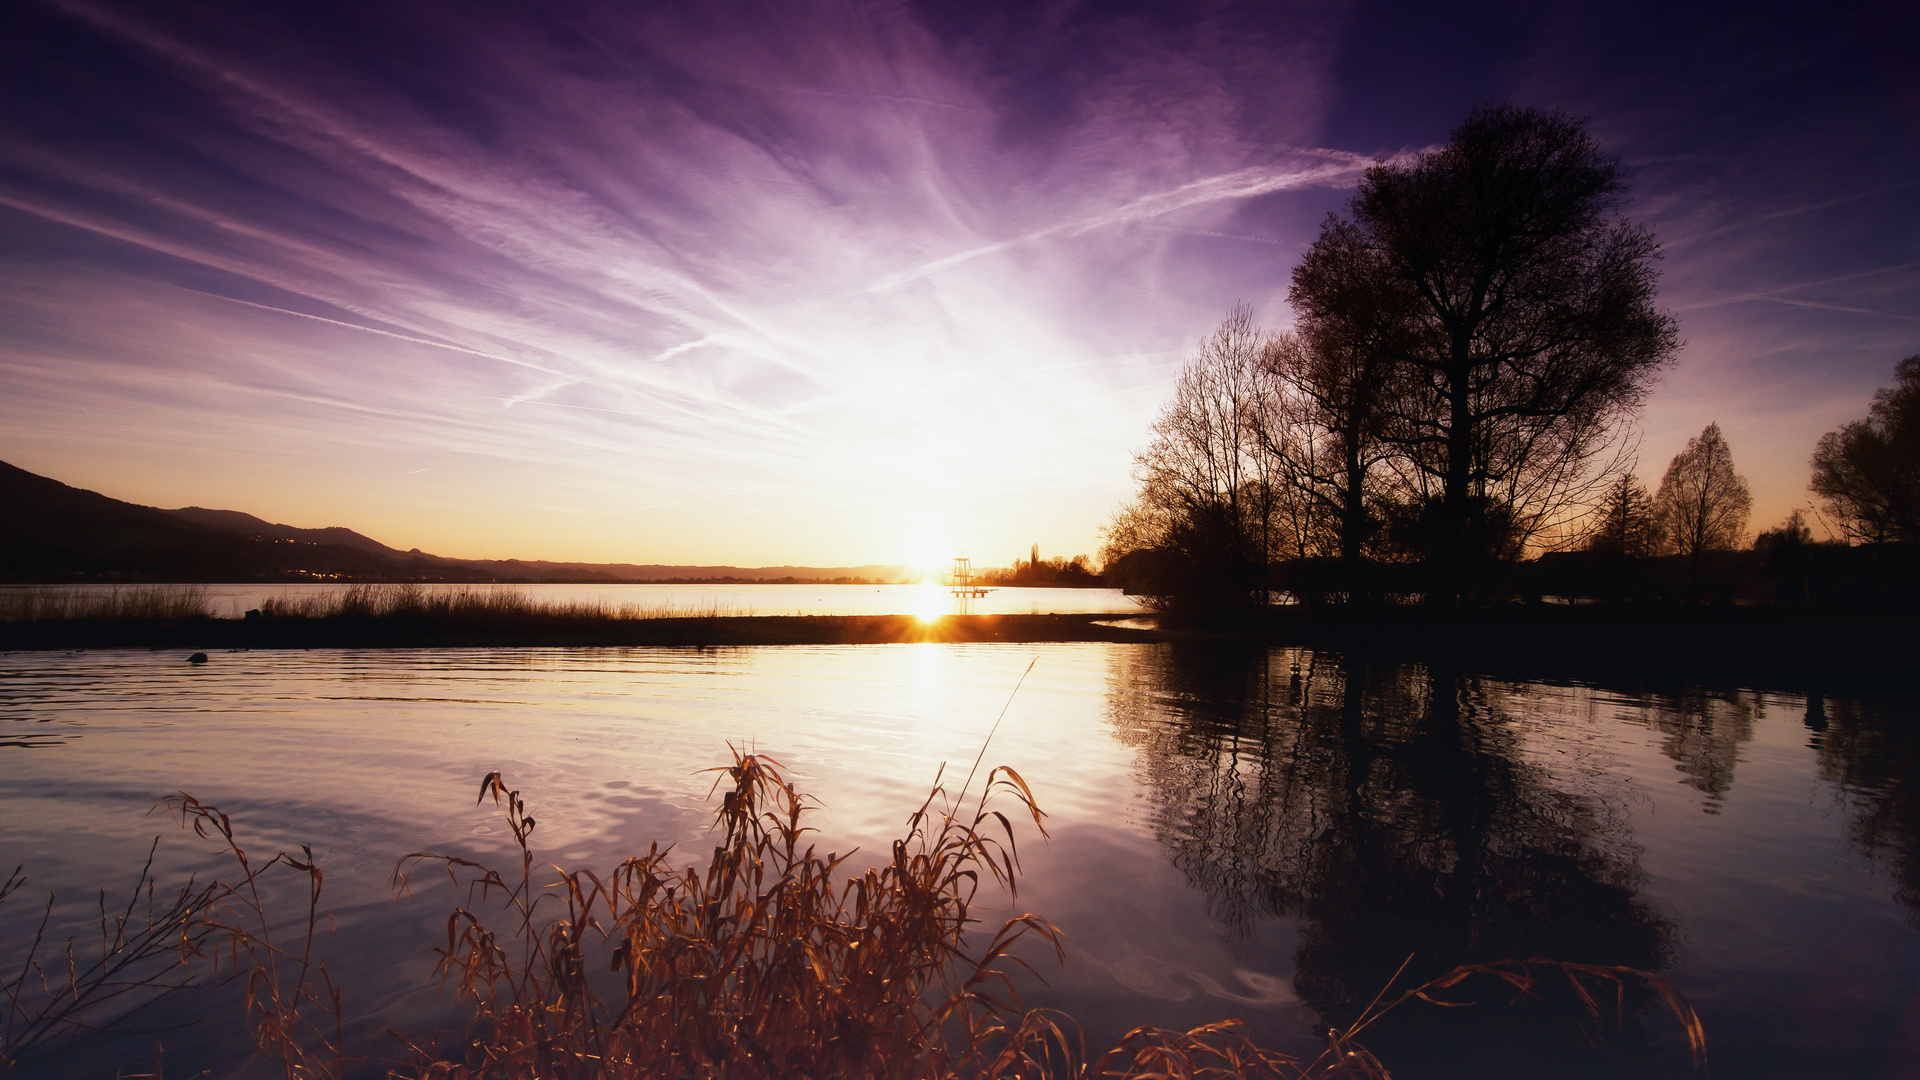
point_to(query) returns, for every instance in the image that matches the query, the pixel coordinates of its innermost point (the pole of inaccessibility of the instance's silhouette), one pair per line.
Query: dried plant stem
(293, 1010)
(49, 1003)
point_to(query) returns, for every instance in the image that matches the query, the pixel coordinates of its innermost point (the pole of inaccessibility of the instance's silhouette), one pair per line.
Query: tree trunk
(1353, 514)
(1451, 554)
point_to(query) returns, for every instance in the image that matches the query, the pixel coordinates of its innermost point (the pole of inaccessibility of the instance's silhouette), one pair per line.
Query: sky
(834, 283)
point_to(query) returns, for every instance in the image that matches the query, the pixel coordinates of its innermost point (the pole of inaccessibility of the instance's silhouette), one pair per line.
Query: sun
(930, 554)
(929, 602)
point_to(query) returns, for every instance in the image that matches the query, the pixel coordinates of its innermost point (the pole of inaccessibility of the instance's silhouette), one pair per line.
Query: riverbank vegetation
(1768, 640)
(411, 616)
(1054, 573)
(41, 603)
(1449, 422)
(477, 605)
(770, 961)
(481, 606)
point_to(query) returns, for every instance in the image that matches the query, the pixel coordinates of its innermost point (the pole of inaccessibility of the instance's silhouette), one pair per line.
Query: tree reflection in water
(1872, 754)
(1702, 734)
(1393, 811)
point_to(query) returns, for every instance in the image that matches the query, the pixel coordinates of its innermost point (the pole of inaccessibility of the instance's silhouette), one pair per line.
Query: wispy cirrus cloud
(532, 282)
(670, 249)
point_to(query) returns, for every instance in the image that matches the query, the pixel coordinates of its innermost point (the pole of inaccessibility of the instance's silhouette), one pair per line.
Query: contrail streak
(1242, 184)
(372, 330)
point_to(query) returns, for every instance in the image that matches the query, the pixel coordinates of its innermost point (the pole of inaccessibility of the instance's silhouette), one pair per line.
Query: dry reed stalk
(293, 1010)
(1521, 977)
(137, 960)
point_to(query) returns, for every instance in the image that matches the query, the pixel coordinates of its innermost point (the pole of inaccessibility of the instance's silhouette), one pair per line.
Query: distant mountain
(50, 532)
(233, 521)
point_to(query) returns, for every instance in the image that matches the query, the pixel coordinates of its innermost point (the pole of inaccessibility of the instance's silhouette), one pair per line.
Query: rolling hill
(53, 533)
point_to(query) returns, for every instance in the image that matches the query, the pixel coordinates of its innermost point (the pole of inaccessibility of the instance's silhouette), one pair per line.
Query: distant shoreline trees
(1057, 572)
(1471, 341)
(1473, 337)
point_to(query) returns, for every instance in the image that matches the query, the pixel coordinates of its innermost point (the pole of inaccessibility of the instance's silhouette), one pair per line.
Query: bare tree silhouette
(1868, 472)
(1702, 503)
(1201, 530)
(1515, 309)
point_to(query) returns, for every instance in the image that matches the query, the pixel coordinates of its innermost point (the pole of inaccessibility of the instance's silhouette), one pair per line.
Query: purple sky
(835, 283)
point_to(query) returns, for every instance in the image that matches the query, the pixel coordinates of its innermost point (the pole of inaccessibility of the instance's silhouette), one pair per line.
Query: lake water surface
(1263, 833)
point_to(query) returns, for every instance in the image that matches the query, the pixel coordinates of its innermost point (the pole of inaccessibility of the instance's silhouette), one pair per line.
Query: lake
(1252, 832)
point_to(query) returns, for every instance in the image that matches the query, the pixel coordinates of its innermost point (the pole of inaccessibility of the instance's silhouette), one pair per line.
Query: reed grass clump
(471, 605)
(36, 603)
(770, 961)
